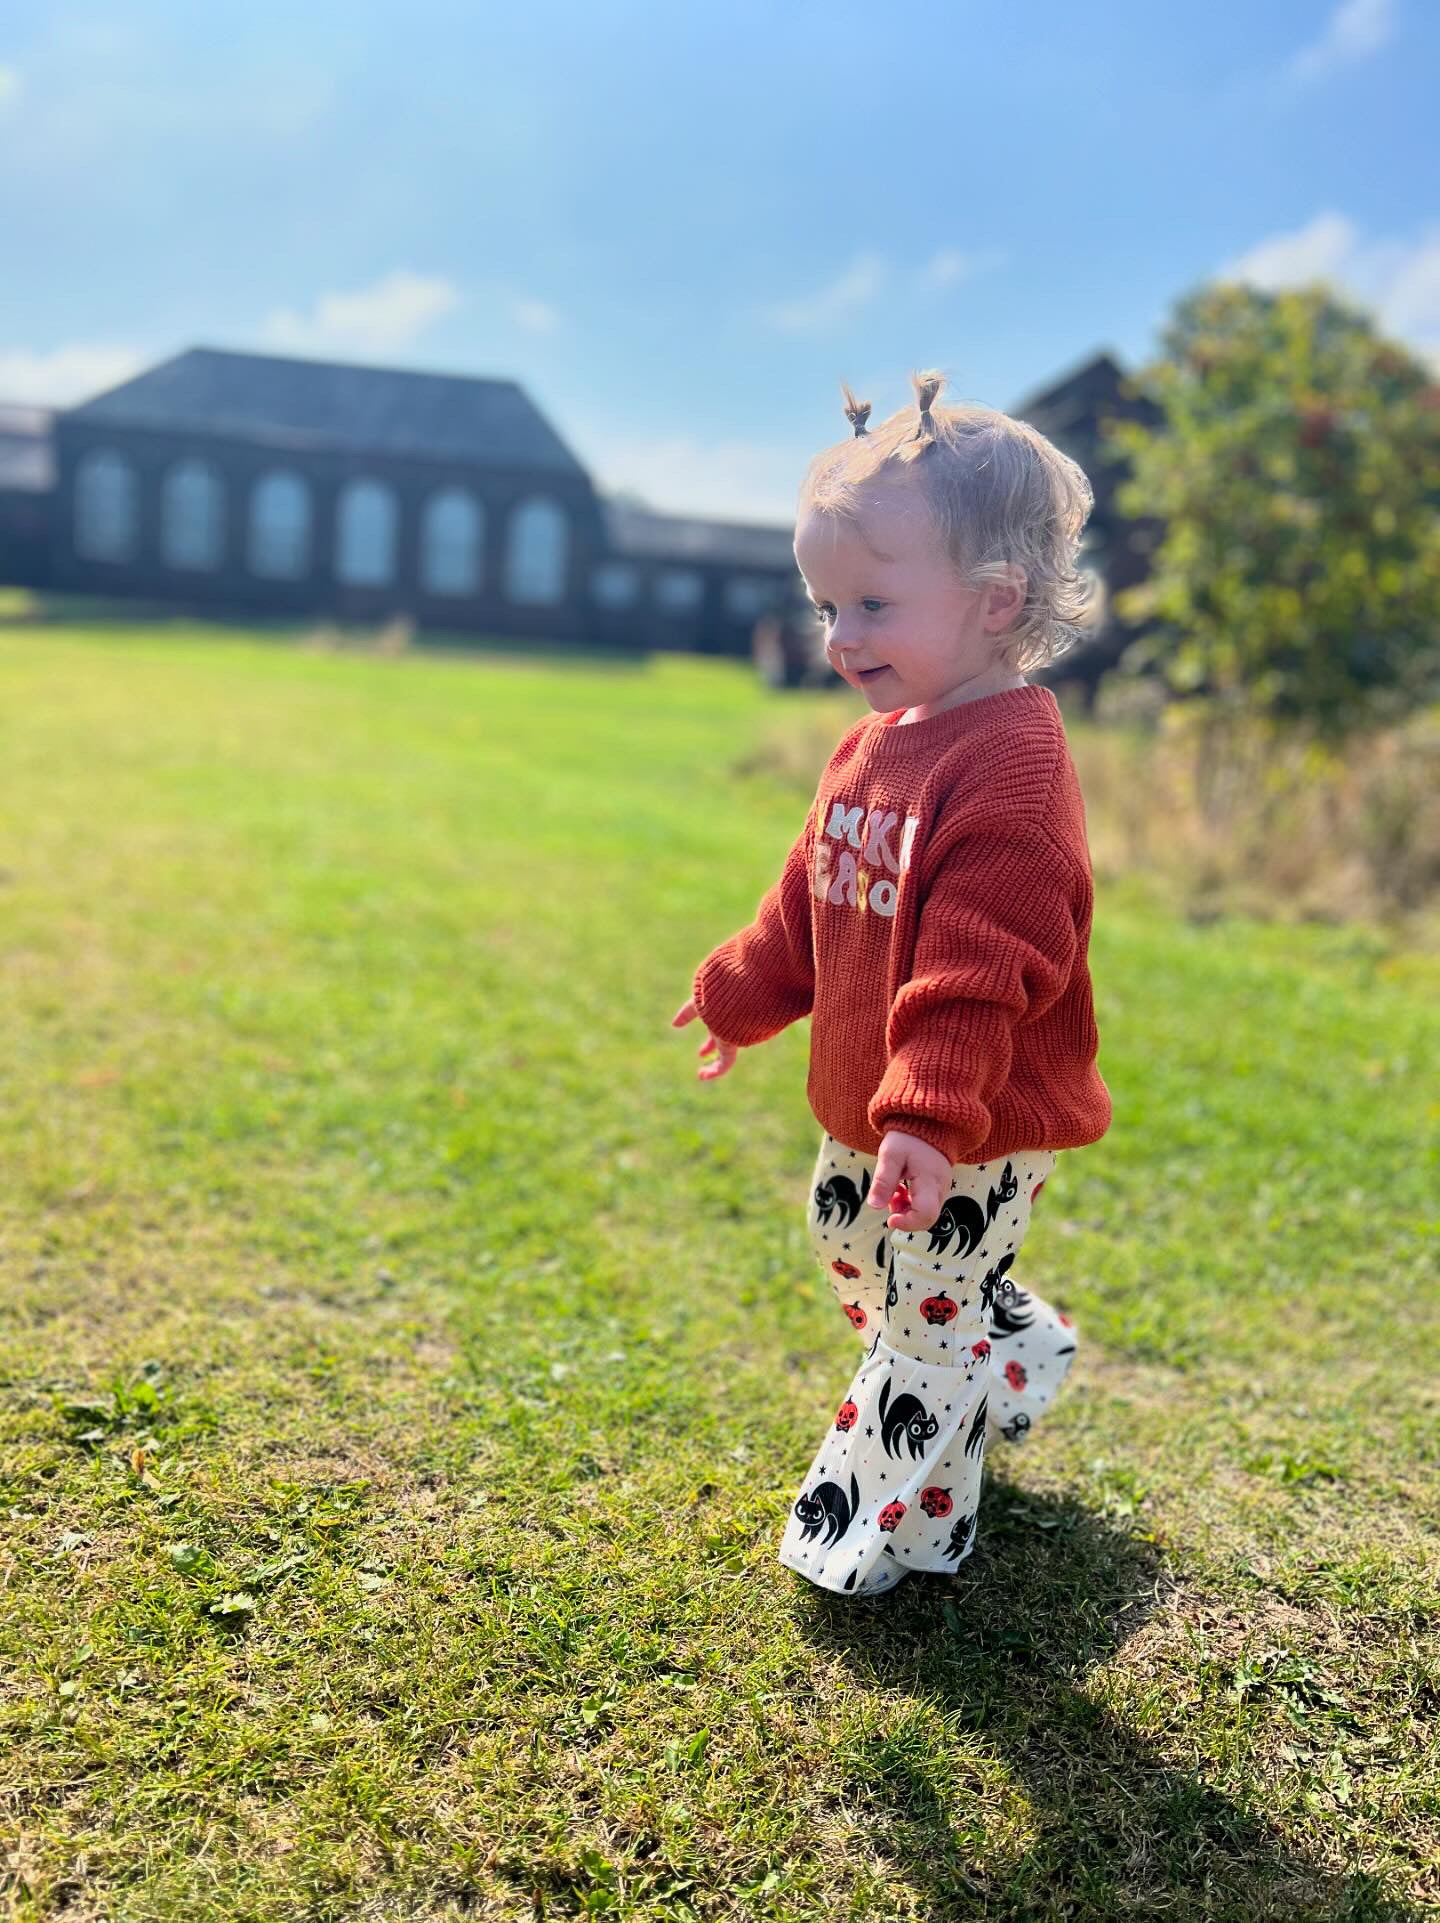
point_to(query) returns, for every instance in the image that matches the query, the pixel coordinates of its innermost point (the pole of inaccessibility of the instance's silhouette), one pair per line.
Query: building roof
(643, 535)
(1072, 403)
(27, 460)
(301, 405)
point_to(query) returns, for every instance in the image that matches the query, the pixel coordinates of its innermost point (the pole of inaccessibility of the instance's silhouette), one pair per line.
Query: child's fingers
(913, 1211)
(725, 1053)
(887, 1175)
(706, 1046)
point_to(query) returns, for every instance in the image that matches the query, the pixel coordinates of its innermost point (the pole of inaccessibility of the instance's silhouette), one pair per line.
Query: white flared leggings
(955, 1354)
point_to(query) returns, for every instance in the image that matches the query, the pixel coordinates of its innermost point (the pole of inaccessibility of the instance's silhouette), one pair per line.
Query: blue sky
(679, 226)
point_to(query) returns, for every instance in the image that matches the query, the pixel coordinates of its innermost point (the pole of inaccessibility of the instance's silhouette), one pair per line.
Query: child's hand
(725, 1052)
(911, 1180)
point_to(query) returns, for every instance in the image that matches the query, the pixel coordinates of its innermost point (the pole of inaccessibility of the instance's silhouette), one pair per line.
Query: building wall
(25, 537)
(717, 622)
(233, 586)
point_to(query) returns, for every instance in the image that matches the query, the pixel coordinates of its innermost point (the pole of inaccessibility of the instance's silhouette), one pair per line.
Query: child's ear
(1005, 599)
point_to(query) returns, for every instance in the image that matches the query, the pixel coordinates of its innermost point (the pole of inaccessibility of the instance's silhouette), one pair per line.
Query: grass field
(407, 1363)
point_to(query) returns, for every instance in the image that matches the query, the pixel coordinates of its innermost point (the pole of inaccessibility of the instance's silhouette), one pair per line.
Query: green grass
(407, 1363)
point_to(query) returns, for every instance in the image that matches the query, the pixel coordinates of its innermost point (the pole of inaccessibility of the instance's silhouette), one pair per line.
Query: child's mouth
(868, 674)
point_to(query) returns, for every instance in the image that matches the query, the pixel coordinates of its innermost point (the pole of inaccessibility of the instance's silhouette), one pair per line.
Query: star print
(869, 1432)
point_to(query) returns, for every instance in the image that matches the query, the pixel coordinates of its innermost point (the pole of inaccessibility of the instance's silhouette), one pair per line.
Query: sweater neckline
(886, 734)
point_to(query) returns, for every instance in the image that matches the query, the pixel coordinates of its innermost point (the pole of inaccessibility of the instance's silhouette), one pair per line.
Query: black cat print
(957, 1354)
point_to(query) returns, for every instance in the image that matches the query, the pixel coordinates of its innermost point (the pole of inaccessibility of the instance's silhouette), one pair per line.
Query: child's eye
(824, 611)
(872, 606)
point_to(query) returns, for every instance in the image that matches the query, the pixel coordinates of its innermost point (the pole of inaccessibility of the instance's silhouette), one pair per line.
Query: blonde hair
(999, 495)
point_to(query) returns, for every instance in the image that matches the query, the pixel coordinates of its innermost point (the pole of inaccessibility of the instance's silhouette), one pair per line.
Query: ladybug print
(956, 1358)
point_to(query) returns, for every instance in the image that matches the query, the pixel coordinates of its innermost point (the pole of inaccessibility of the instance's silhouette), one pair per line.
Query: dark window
(107, 501)
(536, 553)
(192, 516)
(279, 543)
(450, 543)
(365, 534)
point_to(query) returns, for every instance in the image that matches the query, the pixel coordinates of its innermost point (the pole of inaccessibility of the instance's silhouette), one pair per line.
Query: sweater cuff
(956, 1140)
(728, 1006)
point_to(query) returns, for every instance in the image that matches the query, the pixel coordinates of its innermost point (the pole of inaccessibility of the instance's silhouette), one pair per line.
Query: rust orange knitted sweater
(933, 920)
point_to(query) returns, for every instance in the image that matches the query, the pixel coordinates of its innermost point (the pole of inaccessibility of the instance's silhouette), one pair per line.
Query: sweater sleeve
(763, 978)
(995, 945)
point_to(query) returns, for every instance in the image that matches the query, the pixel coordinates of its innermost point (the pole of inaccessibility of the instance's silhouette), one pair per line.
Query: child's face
(900, 624)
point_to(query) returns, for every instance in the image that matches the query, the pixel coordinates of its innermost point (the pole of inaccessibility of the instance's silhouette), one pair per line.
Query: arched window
(747, 596)
(192, 516)
(537, 551)
(679, 590)
(450, 543)
(280, 528)
(365, 534)
(107, 502)
(615, 584)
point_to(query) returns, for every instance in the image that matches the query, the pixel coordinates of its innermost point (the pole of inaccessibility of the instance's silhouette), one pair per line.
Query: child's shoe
(886, 1575)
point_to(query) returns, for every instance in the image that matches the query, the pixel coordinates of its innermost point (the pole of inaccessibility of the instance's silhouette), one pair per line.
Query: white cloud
(535, 316)
(9, 86)
(1397, 280)
(381, 319)
(1315, 252)
(867, 276)
(1354, 29)
(65, 374)
(813, 313)
(948, 265)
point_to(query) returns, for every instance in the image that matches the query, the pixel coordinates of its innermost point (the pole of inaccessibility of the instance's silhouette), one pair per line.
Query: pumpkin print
(936, 1389)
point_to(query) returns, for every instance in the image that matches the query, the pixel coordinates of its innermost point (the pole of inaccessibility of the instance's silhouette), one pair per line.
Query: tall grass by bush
(1245, 821)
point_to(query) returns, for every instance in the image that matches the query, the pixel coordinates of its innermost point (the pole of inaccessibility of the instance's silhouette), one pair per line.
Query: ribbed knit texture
(933, 918)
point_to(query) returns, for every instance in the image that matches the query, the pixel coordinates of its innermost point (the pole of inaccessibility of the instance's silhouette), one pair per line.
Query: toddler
(933, 919)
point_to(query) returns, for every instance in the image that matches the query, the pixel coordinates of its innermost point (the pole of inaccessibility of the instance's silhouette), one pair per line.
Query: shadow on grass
(1050, 1592)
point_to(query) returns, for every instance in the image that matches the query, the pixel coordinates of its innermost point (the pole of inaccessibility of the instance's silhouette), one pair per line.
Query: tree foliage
(1295, 469)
